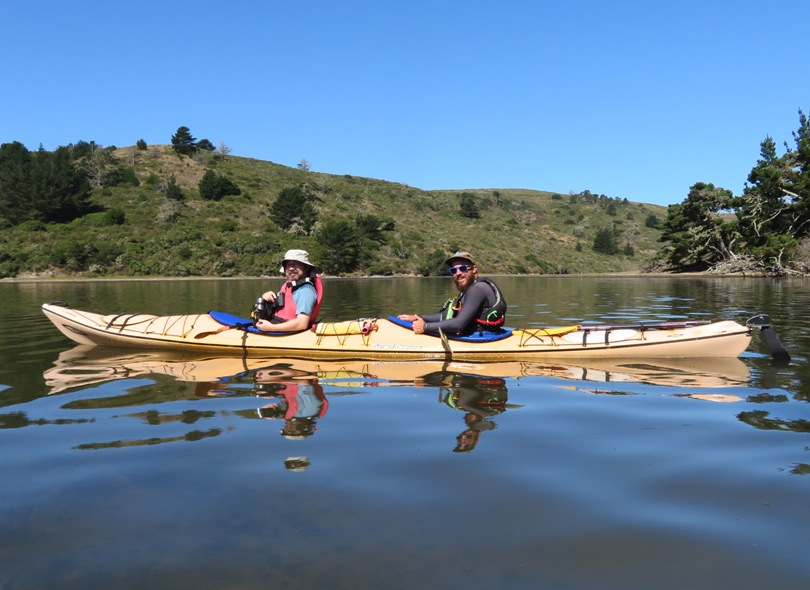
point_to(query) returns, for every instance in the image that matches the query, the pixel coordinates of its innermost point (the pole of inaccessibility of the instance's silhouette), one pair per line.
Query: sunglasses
(460, 268)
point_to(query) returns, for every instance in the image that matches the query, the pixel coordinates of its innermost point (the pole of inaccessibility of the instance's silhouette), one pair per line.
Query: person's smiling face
(464, 273)
(295, 270)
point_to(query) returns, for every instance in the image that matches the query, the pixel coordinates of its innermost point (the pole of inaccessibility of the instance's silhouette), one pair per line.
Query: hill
(139, 231)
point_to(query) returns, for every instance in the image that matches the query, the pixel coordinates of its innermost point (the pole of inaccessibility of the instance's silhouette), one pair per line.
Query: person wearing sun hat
(296, 304)
(479, 305)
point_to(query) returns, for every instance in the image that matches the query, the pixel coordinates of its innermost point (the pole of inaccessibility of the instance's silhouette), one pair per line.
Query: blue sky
(632, 99)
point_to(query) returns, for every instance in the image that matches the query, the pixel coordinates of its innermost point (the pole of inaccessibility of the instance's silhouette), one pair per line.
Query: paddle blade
(217, 331)
(777, 349)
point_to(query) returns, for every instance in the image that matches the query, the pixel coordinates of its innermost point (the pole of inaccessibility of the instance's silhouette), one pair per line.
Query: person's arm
(418, 321)
(305, 299)
(473, 299)
(299, 323)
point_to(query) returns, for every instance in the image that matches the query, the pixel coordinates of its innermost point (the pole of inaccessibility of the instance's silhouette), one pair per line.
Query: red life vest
(291, 394)
(289, 311)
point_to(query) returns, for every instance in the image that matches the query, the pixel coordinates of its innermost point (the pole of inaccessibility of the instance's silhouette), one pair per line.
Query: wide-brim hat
(462, 255)
(298, 256)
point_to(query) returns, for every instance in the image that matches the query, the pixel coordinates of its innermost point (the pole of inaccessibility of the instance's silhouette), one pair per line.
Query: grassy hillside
(518, 231)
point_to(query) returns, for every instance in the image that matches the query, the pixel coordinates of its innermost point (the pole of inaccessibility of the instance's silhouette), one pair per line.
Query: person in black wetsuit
(480, 304)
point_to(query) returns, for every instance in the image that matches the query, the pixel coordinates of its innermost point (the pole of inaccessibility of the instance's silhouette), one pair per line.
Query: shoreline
(70, 279)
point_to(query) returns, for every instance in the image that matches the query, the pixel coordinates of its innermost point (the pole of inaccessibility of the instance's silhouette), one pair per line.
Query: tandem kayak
(391, 338)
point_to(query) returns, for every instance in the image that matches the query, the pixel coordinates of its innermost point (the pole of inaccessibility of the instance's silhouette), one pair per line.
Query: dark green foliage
(206, 145)
(468, 206)
(98, 219)
(227, 225)
(173, 190)
(293, 211)
(141, 145)
(184, 252)
(83, 149)
(697, 235)
(652, 221)
(433, 264)
(605, 242)
(213, 186)
(71, 254)
(370, 234)
(41, 185)
(371, 228)
(115, 216)
(183, 142)
(106, 253)
(340, 246)
(777, 199)
(119, 174)
(769, 220)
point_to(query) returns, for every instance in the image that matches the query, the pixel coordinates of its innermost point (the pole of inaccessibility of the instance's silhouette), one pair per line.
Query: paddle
(777, 349)
(223, 329)
(644, 326)
(445, 343)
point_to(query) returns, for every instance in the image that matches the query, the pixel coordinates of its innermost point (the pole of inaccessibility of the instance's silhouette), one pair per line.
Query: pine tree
(183, 142)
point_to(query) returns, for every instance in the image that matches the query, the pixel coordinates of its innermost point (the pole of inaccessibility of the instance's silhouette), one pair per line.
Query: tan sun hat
(462, 255)
(298, 256)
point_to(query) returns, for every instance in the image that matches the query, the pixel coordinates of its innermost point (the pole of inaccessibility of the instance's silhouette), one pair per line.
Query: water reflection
(290, 392)
(480, 398)
(84, 366)
(299, 402)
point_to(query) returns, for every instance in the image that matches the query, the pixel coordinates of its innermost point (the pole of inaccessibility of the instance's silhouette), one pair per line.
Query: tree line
(764, 230)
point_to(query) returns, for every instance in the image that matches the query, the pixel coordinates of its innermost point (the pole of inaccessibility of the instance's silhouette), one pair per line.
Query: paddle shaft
(642, 326)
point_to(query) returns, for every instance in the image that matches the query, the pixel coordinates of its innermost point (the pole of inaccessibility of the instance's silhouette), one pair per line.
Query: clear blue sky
(632, 99)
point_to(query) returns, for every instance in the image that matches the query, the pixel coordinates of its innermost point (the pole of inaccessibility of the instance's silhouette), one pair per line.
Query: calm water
(131, 470)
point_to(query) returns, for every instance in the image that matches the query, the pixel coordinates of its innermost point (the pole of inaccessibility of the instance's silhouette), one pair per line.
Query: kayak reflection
(86, 365)
(290, 392)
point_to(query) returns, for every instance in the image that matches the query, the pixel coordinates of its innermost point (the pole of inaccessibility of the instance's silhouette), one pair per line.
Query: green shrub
(214, 187)
(32, 225)
(433, 264)
(226, 225)
(115, 216)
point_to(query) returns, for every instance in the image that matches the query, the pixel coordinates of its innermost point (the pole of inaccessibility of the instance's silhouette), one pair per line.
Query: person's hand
(269, 296)
(418, 325)
(408, 317)
(264, 325)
